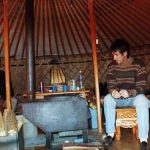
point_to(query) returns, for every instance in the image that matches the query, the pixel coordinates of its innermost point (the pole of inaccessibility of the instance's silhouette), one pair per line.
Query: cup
(54, 88)
(65, 88)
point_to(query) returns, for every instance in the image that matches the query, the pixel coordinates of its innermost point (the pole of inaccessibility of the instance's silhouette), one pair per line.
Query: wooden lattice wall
(71, 66)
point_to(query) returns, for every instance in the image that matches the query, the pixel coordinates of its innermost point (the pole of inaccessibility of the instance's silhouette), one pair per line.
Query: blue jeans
(140, 102)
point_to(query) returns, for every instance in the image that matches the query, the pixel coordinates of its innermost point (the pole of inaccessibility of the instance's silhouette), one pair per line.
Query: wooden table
(42, 95)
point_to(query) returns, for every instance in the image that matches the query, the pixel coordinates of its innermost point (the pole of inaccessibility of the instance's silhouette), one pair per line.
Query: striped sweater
(131, 77)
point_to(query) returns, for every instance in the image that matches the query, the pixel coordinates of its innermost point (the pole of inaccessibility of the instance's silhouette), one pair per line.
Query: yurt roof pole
(6, 53)
(93, 39)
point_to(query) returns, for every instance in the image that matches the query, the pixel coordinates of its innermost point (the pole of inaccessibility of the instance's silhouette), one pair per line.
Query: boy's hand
(124, 93)
(115, 94)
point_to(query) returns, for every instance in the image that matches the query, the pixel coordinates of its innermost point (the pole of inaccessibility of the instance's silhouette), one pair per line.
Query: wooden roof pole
(6, 53)
(93, 39)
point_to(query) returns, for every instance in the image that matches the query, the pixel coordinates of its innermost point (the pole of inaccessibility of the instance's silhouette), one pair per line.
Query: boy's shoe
(108, 141)
(143, 145)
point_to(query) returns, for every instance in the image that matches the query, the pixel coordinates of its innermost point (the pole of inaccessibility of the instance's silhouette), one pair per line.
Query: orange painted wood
(6, 52)
(93, 39)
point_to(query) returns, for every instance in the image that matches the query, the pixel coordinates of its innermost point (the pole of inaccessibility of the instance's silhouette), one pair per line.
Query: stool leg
(134, 130)
(137, 133)
(118, 133)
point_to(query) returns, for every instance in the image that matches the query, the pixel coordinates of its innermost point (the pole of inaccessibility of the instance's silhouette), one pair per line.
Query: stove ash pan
(58, 113)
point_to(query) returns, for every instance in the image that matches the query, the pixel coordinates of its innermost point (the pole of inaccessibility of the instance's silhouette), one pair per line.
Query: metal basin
(57, 113)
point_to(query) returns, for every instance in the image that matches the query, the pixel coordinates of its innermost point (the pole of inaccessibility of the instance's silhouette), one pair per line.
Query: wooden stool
(126, 118)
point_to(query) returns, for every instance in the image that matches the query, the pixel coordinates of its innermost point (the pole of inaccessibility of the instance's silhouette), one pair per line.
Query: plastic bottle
(81, 79)
(41, 87)
(73, 85)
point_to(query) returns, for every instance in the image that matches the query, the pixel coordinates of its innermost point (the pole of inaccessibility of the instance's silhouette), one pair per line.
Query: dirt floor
(128, 142)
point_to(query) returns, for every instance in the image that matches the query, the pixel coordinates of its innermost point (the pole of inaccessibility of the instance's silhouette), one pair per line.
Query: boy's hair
(120, 45)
